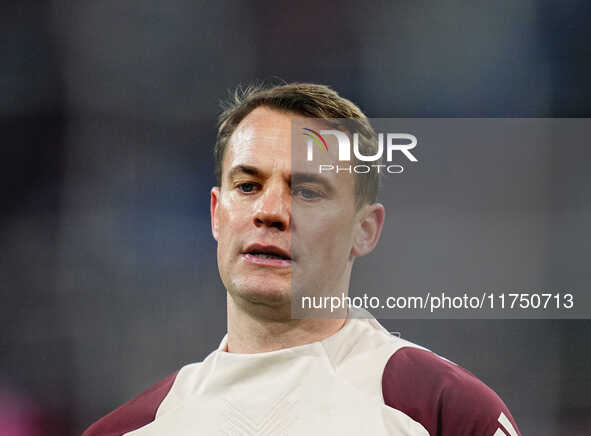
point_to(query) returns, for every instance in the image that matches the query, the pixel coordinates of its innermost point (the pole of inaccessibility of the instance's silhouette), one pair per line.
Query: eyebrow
(244, 169)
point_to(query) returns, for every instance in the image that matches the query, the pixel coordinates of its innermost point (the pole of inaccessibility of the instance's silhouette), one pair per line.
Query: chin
(265, 293)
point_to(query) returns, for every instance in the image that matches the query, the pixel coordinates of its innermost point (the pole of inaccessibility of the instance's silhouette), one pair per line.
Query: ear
(213, 204)
(368, 229)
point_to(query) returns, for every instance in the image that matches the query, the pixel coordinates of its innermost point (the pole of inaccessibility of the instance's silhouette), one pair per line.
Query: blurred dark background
(108, 115)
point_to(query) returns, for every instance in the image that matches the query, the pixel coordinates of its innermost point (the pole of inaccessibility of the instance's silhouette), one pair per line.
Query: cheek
(233, 221)
(330, 233)
(231, 214)
(224, 228)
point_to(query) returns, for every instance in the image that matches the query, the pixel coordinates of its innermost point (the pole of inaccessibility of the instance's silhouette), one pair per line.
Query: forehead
(263, 129)
(264, 135)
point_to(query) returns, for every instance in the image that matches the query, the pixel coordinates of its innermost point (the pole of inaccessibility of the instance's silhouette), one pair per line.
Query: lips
(267, 252)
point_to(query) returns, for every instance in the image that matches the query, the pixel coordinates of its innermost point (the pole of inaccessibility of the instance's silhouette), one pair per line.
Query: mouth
(270, 255)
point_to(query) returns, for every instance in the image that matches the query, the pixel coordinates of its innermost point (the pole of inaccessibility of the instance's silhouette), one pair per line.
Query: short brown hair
(308, 99)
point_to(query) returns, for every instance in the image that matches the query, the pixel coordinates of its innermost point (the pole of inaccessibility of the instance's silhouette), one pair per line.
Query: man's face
(279, 232)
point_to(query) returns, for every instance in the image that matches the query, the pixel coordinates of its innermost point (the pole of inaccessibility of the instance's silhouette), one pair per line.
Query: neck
(250, 331)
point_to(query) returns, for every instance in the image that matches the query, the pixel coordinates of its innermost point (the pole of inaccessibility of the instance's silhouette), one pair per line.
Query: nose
(273, 207)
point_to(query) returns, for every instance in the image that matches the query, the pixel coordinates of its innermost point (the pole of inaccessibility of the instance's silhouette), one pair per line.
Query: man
(284, 231)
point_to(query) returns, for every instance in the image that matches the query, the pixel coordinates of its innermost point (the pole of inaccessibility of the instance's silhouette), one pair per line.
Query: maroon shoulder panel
(134, 414)
(445, 398)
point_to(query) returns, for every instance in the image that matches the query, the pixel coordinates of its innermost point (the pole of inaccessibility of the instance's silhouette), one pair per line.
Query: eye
(247, 187)
(306, 193)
